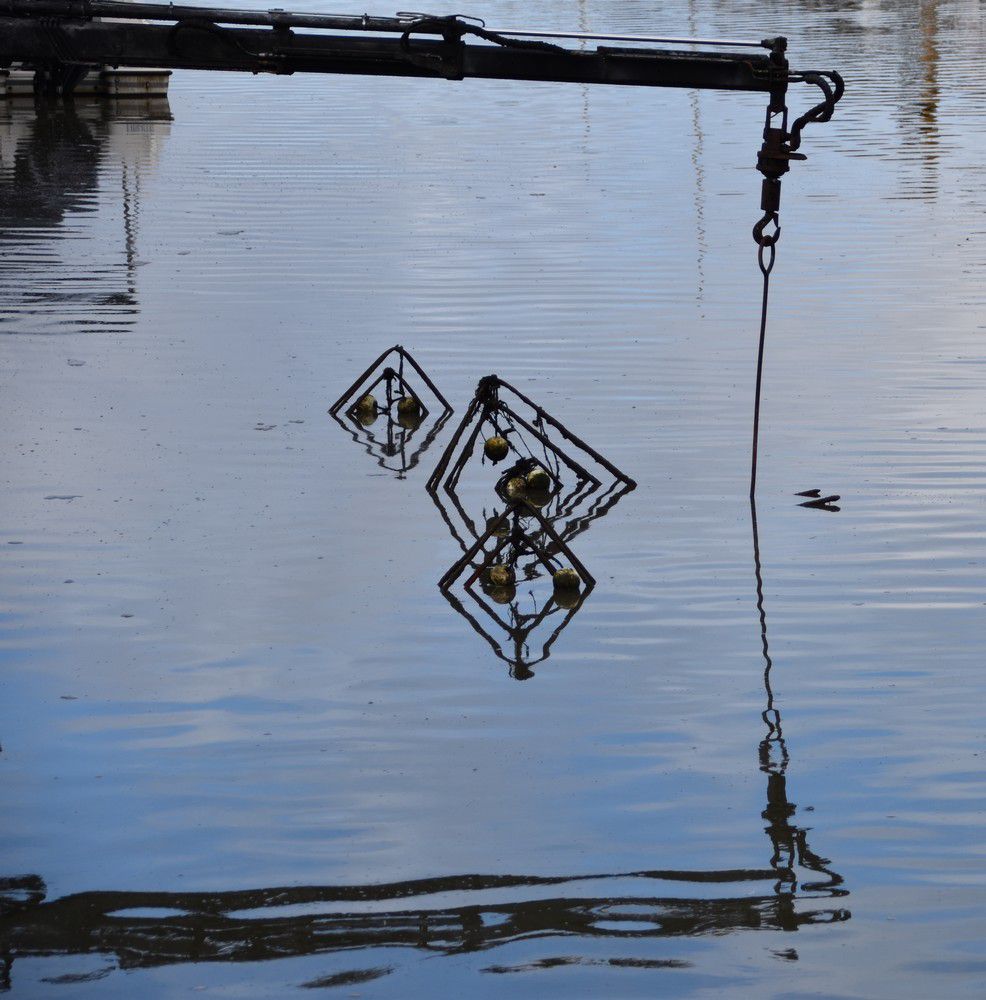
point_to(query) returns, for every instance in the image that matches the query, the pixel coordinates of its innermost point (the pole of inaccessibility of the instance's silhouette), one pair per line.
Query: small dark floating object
(809, 493)
(350, 978)
(408, 407)
(823, 503)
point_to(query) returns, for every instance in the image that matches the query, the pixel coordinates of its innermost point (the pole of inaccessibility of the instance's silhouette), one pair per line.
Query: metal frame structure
(200, 37)
(65, 38)
(390, 376)
(496, 408)
(398, 436)
(521, 530)
(584, 485)
(492, 911)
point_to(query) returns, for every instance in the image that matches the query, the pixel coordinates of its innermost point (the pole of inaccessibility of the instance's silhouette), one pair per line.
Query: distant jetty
(17, 83)
(105, 81)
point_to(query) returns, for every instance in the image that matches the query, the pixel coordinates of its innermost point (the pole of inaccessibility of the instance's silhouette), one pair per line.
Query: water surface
(247, 744)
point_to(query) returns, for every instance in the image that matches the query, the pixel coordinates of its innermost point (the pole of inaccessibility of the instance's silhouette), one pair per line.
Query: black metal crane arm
(85, 33)
(66, 31)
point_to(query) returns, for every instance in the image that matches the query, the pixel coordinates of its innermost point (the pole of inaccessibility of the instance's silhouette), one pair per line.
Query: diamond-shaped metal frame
(521, 626)
(495, 406)
(398, 435)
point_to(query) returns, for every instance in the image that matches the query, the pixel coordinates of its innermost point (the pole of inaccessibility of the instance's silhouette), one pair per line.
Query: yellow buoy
(366, 404)
(501, 576)
(537, 498)
(516, 487)
(502, 595)
(566, 579)
(567, 599)
(410, 421)
(538, 479)
(408, 406)
(496, 448)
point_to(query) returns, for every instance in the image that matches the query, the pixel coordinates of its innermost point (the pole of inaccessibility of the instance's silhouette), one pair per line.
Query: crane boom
(204, 38)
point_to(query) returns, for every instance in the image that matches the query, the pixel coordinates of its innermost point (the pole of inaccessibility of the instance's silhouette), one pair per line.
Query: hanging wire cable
(779, 148)
(765, 258)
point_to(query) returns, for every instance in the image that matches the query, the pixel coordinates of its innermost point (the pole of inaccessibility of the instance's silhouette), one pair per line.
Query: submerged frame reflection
(247, 925)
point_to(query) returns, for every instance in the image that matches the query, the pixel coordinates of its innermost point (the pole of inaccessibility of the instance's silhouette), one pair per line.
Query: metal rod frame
(345, 406)
(403, 355)
(486, 405)
(478, 559)
(39, 32)
(364, 436)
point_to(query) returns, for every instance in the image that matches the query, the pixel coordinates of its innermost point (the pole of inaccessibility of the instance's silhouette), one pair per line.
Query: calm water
(248, 746)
